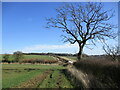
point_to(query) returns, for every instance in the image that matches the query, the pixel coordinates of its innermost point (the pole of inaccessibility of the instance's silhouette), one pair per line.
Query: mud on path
(34, 82)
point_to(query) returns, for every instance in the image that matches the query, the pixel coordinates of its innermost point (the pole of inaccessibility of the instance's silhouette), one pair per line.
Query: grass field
(12, 78)
(56, 80)
(0, 57)
(37, 76)
(72, 57)
(32, 66)
(41, 57)
(10, 57)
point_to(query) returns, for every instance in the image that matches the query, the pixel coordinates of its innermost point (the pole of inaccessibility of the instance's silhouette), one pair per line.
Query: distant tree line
(18, 56)
(58, 54)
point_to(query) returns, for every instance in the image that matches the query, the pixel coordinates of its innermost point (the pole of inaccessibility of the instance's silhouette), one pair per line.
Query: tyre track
(34, 82)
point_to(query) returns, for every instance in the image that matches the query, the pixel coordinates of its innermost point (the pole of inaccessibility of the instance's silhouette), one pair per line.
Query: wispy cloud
(45, 48)
(64, 48)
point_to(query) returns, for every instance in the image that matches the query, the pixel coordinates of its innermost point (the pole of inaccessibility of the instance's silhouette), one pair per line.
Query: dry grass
(105, 71)
(33, 61)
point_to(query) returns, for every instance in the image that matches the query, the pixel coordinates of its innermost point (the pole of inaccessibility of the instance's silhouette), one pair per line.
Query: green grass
(16, 74)
(41, 57)
(56, 80)
(12, 78)
(0, 57)
(48, 82)
(10, 57)
(33, 66)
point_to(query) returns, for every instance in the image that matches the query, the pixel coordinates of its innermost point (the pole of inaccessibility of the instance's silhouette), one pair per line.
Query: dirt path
(34, 82)
(67, 59)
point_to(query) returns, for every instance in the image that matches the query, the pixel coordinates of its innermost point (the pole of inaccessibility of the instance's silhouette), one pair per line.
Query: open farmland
(34, 76)
(41, 57)
(10, 57)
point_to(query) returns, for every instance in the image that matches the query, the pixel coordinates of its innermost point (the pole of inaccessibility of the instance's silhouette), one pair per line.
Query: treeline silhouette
(59, 54)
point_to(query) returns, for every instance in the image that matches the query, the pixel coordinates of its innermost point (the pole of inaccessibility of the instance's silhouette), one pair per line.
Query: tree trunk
(79, 56)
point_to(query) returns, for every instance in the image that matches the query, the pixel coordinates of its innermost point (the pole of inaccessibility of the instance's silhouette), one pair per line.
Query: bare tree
(82, 23)
(112, 52)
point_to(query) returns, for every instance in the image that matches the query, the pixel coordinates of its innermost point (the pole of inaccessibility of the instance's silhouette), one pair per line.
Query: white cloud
(65, 48)
(52, 48)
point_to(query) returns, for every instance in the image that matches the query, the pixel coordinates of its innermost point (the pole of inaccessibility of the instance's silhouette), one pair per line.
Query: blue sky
(23, 28)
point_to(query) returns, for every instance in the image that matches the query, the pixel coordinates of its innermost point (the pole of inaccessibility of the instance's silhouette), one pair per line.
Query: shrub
(33, 61)
(17, 56)
(5, 58)
(107, 72)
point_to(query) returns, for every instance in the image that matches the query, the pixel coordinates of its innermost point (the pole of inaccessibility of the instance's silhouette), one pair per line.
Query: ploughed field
(34, 76)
